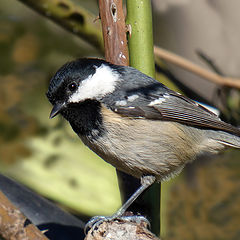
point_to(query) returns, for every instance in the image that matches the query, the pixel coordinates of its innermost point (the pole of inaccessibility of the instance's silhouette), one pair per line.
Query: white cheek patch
(96, 86)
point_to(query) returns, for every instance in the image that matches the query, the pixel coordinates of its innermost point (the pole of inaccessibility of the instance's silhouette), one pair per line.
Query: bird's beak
(57, 109)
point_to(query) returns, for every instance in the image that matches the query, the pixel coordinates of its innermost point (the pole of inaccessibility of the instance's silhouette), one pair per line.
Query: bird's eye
(72, 86)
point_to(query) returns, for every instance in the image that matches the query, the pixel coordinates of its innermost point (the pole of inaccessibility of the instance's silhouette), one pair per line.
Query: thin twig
(189, 66)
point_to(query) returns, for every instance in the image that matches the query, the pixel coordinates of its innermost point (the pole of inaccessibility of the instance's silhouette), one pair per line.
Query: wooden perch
(14, 225)
(189, 66)
(120, 230)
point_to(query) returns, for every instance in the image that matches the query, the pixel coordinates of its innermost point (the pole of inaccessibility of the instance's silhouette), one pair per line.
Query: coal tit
(134, 122)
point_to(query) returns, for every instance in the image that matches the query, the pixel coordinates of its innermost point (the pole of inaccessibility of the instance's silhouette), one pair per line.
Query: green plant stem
(141, 57)
(140, 41)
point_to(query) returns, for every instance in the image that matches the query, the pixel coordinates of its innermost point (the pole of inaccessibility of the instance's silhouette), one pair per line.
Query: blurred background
(45, 155)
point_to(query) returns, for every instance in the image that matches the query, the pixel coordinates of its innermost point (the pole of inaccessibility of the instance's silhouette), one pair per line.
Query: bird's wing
(171, 106)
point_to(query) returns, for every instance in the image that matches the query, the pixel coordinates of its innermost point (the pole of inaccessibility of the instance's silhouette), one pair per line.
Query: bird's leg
(146, 181)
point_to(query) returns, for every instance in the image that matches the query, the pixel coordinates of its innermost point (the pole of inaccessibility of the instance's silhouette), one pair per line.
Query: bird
(134, 122)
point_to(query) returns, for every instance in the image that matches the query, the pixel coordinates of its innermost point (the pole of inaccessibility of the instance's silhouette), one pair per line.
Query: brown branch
(114, 31)
(13, 224)
(72, 17)
(189, 66)
(120, 230)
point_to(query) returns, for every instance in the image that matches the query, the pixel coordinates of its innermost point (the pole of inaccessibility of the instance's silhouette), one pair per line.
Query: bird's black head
(76, 89)
(81, 80)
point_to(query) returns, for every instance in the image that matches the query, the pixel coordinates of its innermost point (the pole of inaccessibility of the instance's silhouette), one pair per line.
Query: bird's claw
(96, 221)
(137, 219)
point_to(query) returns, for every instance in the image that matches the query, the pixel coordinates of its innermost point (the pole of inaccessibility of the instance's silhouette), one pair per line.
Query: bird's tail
(226, 139)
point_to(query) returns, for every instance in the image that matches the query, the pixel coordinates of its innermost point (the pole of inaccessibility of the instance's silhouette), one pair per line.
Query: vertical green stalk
(140, 41)
(141, 57)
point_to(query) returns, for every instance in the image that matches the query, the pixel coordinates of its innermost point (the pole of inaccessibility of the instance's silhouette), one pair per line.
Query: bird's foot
(96, 221)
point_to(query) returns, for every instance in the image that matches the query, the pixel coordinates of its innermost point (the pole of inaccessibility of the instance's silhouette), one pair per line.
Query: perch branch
(120, 230)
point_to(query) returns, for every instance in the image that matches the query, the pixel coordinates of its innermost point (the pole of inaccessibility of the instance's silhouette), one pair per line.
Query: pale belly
(140, 147)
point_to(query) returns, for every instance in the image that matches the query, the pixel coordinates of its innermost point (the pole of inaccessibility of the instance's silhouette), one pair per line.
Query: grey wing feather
(176, 107)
